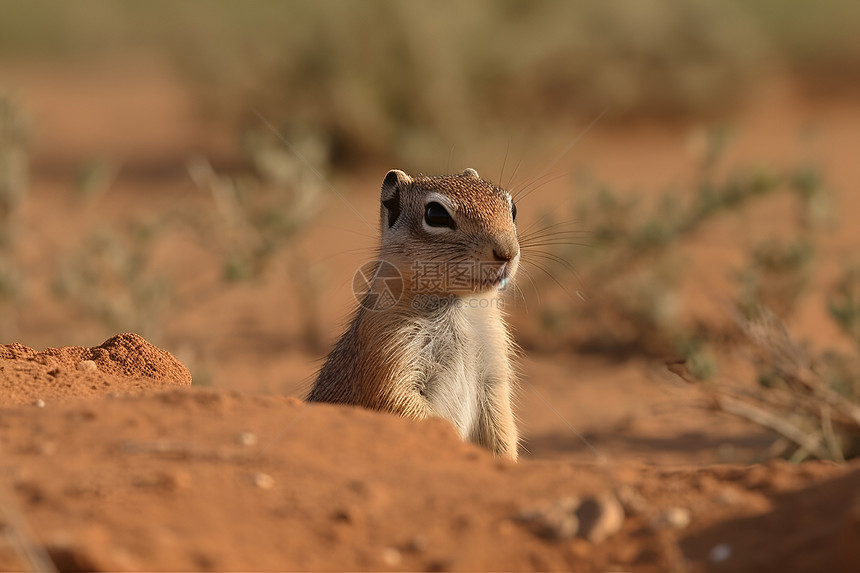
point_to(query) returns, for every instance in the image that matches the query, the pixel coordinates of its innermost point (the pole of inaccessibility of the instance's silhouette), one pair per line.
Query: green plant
(261, 213)
(14, 159)
(777, 277)
(12, 287)
(109, 278)
(14, 184)
(811, 400)
(843, 303)
(634, 266)
(258, 216)
(634, 274)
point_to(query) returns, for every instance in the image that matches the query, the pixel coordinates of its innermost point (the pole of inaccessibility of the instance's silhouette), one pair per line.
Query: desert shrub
(11, 290)
(258, 215)
(251, 224)
(428, 78)
(843, 302)
(631, 268)
(14, 159)
(810, 399)
(109, 278)
(407, 80)
(14, 184)
(818, 41)
(633, 274)
(776, 277)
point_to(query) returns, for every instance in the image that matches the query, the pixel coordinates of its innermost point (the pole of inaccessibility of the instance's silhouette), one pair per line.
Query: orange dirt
(125, 363)
(191, 479)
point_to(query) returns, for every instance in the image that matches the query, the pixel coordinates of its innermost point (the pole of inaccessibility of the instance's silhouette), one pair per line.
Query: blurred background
(188, 171)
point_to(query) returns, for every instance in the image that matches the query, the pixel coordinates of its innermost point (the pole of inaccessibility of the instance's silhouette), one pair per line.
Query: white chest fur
(462, 356)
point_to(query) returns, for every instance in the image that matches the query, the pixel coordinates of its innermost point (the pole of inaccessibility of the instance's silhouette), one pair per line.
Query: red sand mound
(124, 363)
(211, 480)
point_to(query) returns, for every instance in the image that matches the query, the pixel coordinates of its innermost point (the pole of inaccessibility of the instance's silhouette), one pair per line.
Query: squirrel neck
(411, 350)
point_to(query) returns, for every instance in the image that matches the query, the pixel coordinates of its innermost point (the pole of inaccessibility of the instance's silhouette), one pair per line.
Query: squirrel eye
(514, 211)
(437, 216)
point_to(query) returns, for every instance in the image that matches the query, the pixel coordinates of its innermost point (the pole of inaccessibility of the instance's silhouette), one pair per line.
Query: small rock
(631, 500)
(728, 496)
(47, 448)
(49, 361)
(675, 517)
(87, 365)
(40, 403)
(391, 557)
(175, 480)
(418, 544)
(348, 514)
(247, 439)
(600, 517)
(263, 481)
(720, 553)
(555, 520)
(165, 481)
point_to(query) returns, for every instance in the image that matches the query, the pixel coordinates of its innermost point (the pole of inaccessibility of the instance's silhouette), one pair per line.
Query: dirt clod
(126, 363)
(87, 365)
(263, 481)
(555, 520)
(599, 517)
(675, 517)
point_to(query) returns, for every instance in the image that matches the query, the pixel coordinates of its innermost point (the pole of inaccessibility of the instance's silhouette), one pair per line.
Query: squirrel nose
(505, 251)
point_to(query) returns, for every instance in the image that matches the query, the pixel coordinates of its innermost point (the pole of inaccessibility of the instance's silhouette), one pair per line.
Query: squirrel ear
(394, 178)
(469, 172)
(390, 197)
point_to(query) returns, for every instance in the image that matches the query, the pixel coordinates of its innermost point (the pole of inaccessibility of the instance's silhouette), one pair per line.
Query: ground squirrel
(438, 344)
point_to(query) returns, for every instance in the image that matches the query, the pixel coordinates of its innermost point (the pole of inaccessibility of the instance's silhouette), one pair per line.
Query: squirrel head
(448, 234)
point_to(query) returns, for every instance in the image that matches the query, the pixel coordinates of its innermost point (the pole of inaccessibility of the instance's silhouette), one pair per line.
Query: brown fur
(451, 360)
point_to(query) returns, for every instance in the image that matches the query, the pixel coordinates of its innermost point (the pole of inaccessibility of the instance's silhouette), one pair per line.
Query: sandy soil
(112, 468)
(218, 480)
(124, 364)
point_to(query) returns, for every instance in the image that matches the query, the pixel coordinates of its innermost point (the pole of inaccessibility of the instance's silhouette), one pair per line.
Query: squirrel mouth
(498, 278)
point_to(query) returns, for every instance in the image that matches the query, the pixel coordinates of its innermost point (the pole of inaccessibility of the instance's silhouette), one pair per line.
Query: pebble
(594, 518)
(87, 365)
(418, 544)
(555, 520)
(631, 500)
(263, 481)
(391, 557)
(247, 439)
(600, 517)
(728, 496)
(676, 517)
(347, 514)
(40, 403)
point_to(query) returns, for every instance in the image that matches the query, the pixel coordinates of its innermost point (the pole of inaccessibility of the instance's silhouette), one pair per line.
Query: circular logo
(377, 285)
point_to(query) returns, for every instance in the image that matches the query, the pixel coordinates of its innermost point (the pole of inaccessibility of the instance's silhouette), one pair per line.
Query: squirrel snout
(505, 251)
